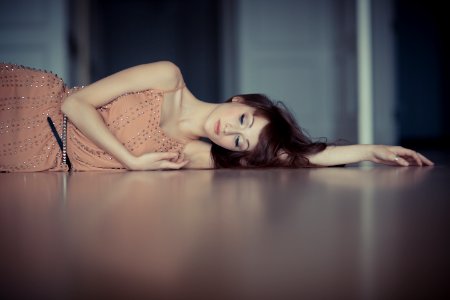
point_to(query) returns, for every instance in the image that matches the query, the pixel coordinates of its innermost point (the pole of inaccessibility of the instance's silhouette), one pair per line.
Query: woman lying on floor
(145, 118)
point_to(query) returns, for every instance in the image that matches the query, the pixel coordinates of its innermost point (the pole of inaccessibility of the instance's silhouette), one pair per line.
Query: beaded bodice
(134, 120)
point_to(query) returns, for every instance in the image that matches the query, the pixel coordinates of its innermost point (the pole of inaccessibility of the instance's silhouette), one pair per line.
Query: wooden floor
(331, 233)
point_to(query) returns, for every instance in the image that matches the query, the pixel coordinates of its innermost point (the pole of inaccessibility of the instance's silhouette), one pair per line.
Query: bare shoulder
(167, 71)
(199, 155)
(161, 75)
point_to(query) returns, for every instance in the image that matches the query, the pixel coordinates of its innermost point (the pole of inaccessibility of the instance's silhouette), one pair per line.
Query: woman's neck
(194, 114)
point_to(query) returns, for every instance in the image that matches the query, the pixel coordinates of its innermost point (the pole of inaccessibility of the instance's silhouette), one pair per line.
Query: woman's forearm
(340, 155)
(86, 118)
(382, 154)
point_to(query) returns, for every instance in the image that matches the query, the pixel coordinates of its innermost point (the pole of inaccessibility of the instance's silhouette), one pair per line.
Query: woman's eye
(241, 119)
(236, 141)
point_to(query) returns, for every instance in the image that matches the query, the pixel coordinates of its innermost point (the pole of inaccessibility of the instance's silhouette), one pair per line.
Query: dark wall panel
(130, 32)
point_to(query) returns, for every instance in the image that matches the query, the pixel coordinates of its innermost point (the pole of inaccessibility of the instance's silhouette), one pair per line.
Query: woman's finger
(400, 160)
(408, 153)
(165, 155)
(425, 160)
(172, 165)
(417, 158)
(180, 158)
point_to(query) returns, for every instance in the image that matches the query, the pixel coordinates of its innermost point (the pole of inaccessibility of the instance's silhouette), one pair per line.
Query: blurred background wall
(301, 52)
(35, 33)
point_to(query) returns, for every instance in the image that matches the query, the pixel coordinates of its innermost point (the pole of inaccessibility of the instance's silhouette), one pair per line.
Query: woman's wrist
(369, 151)
(129, 161)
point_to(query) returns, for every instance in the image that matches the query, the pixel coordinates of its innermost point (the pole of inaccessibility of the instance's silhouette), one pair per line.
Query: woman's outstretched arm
(80, 108)
(389, 155)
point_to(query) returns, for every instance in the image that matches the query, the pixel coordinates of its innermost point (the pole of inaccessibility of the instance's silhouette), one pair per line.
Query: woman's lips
(217, 127)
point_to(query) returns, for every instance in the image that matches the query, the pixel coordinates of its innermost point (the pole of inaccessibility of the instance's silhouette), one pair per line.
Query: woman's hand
(398, 156)
(157, 161)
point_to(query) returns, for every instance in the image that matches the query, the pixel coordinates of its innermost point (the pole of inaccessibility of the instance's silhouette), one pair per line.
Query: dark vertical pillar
(422, 68)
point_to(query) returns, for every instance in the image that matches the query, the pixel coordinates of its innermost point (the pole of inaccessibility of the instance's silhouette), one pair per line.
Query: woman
(145, 118)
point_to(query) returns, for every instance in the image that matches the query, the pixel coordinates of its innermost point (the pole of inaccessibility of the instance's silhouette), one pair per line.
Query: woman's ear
(237, 99)
(282, 155)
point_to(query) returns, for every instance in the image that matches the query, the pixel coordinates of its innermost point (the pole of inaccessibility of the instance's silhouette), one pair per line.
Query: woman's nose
(230, 129)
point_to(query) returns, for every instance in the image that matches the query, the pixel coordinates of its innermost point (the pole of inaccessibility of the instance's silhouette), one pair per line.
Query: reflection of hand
(376, 177)
(158, 161)
(396, 155)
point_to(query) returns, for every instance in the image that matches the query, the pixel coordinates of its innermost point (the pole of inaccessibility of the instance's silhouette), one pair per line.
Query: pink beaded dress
(28, 97)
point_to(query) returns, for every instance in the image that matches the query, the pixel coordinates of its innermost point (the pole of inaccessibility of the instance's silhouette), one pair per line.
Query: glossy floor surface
(331, 233)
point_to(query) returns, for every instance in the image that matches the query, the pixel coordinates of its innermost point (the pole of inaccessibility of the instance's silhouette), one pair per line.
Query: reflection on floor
(331, 233)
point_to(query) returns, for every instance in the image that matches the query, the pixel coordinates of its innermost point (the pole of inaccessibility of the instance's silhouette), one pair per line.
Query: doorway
(125, 33)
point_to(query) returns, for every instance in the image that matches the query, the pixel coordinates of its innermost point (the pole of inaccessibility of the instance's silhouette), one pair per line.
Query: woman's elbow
(70, 106)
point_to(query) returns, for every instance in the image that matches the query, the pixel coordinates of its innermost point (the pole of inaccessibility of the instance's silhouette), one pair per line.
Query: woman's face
(234, 126)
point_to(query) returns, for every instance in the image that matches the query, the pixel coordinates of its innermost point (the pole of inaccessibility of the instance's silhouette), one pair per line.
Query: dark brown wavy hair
(282, 143)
